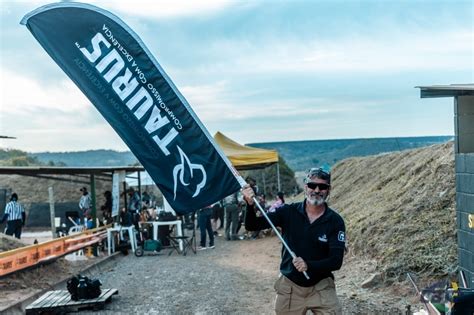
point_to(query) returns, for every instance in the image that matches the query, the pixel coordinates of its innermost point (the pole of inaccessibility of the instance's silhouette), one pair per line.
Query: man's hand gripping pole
(243, 184)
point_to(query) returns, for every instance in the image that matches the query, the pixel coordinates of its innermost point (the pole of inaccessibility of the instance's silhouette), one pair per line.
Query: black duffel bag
(82, 288)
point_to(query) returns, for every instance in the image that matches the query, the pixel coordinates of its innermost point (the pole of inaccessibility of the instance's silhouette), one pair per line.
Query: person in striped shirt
(15, 216)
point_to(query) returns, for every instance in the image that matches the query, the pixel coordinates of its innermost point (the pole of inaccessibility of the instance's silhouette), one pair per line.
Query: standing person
(15, 216)
(134, 205)
(146, 200)
(316, 234)
(204, 220)
(107, 207)
(125, 218)
(262, 202)
(85, 203)
(133, 200)
(215, 218)
(231, 217)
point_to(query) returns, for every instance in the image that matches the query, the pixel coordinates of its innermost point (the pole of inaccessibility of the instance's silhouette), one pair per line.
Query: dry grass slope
(400, 209)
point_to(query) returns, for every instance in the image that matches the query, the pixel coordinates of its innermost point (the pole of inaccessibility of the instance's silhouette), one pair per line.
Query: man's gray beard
(316, 202)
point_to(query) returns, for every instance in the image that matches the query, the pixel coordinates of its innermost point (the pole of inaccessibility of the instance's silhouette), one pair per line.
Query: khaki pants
(293, 299)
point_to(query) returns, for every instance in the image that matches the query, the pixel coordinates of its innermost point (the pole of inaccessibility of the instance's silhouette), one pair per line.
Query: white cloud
(21, 93)
(219, 103)
(165, 8)
(385, 51)
(51, 117)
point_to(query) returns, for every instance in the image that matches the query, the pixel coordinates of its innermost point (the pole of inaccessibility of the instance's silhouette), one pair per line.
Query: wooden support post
(51, 211)
(93, 198)
(140, 188)
(124, 195)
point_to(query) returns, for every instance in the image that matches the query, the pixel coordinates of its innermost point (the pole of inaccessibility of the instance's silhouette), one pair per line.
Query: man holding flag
(316, 234)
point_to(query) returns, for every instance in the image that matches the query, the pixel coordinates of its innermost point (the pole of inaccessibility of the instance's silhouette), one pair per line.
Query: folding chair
(189, 242)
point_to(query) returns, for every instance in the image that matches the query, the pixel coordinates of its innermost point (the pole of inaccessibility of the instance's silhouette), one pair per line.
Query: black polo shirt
(320, 244)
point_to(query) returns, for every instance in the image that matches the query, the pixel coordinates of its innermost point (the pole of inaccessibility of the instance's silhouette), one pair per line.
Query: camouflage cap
(318, 172)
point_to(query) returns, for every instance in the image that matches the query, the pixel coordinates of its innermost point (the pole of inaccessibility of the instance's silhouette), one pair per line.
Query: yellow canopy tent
(245, 157)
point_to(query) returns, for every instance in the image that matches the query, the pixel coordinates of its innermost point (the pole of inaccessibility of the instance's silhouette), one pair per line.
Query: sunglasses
(321, 186)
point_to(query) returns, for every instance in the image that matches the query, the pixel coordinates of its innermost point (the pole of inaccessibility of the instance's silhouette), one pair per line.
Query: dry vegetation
(400, 209)
(8, 242)
(32, 189)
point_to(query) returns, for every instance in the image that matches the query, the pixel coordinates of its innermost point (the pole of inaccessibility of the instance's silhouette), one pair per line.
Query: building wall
(464, 150)
(465, 213)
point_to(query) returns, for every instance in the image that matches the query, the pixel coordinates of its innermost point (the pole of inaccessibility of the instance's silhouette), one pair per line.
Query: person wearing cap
(316, 235)
(15, 217)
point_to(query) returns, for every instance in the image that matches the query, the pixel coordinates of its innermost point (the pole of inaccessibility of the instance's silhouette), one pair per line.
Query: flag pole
(243, 184)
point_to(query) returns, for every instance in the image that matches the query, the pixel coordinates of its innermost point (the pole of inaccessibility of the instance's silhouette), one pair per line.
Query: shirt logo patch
(323, 238)
(341, 236)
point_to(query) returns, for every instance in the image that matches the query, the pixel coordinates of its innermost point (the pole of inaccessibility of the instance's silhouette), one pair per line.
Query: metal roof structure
(101, 173)
(446, 90)
(32, 170)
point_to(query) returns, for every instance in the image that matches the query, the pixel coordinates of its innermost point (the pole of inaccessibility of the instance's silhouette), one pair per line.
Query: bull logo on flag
(180, 170)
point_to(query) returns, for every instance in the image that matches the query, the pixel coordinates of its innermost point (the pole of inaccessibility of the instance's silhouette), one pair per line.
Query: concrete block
(466, 260)
(466, 240)
(465, 183)
(469, 163)
(465, 140)
(465, 202)
(462, 221)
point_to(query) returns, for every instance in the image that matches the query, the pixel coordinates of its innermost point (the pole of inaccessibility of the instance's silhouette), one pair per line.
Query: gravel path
(192, 284)
(234, 278)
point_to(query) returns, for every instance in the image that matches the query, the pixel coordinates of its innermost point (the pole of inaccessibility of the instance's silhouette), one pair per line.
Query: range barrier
(24, 257)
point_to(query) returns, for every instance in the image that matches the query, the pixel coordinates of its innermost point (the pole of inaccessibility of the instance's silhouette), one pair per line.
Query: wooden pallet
(53, 302)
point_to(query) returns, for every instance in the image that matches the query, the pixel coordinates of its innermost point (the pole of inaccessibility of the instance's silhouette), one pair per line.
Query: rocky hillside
(399, 208)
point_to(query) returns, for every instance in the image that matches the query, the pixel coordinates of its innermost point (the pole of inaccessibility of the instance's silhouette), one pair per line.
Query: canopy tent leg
(140, 187)
(278, 174)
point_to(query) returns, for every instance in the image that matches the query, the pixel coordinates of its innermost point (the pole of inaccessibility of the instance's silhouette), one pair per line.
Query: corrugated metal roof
(446, 90)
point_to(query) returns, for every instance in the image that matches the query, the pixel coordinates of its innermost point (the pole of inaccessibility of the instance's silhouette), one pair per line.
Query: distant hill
(87, 158)
(301, 155)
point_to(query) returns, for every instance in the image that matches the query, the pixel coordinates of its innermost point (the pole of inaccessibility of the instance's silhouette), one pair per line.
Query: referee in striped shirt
(15, 216)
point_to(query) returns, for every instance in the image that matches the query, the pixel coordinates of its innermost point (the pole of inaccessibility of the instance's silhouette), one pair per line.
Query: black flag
(119, 75)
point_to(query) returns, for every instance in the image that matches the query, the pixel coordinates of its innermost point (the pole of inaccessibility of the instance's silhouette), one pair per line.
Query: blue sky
(258, 71)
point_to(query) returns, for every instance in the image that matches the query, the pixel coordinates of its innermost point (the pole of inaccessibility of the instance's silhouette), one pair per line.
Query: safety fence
(28, 256)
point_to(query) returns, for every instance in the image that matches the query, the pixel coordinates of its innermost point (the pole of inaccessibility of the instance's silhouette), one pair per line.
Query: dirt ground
(234, 278)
